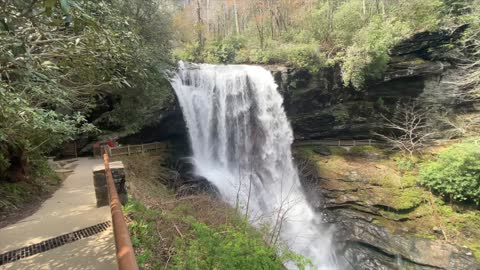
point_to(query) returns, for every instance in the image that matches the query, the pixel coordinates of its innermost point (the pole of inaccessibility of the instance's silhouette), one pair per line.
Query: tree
(408, 128)
(65, 65)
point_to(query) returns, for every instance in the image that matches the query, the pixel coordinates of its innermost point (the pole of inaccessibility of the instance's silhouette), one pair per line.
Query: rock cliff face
(377, 222)
(421, 68)
(381, 219)
(320, 106)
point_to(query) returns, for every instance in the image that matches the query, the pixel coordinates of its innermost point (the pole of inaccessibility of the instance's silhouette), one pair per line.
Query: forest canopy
(355, 34)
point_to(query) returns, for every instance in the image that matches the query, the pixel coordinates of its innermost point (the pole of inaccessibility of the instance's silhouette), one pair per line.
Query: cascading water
(241, 142)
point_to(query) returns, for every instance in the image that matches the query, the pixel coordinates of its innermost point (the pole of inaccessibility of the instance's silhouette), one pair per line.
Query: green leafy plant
(455, 172)
(405, 164)
(367, 57)
(229, 247)
(70, 65)
(143, 232)
(224, 51)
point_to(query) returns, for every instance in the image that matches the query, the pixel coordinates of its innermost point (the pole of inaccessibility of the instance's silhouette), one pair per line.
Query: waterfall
(241, 142)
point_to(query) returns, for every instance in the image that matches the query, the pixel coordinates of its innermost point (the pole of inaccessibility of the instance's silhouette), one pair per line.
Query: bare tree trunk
(236, 16)
(208, 16)
(199, 27)
(225, 19)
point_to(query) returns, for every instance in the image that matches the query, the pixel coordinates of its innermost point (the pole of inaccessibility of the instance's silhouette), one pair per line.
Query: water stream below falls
(241, 142)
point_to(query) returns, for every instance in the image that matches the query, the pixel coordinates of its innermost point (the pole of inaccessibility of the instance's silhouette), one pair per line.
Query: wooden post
(142, 149)
(128, 149)
(354, 143)
(369, 141)
(338, 142)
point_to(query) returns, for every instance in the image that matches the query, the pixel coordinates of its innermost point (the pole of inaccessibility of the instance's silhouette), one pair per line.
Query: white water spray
(241, 141)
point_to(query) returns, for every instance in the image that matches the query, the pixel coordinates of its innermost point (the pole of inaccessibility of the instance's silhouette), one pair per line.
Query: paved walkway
(71, 208)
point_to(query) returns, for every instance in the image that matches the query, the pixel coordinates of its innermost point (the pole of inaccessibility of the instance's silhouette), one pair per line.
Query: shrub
(347, 21)
(191, 52)
(420, 14)
(265, 56)
(143, 232)
(229, 247)
(405, 164)
(224, 51)
(455, 173)
(304, 56)
(368, 57)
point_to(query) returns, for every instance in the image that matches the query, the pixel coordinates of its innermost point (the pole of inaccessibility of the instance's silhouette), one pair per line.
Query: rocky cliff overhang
(320, 106)
(422, 68)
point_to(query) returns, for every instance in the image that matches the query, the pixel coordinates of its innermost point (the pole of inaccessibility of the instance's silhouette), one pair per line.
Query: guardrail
(125, 254)
(136, 149)
(340, 142)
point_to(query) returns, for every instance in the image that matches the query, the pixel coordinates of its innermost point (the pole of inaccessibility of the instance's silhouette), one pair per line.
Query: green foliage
(224, 51)
(304, 56)
(66, 65)
(405, 164)
(13, 195)
(348, 20)
(455, 172)
(317, 23)
(229, 247)
(456, 7)
(218, 51)
(358, 34)
(232, 50)
(191, 52)
(142, 228)
(42, 180)
(368, 57)
(420, 14)
(409, 198)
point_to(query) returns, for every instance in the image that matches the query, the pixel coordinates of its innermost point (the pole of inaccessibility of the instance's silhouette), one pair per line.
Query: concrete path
(71, 208)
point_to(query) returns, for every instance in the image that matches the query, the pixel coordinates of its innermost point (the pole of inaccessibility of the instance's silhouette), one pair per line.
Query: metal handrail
(125, 255)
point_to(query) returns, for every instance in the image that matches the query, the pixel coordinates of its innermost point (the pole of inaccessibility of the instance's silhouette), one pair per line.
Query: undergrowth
(40, 182)
(192, 232)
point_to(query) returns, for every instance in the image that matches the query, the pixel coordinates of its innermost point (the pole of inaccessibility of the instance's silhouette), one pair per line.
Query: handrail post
(125, 255)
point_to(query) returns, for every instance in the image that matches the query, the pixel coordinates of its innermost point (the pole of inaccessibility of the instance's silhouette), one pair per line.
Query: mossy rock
(403, 200)
(409, 180)
(322, 150)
